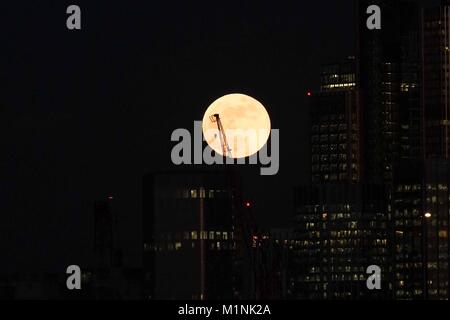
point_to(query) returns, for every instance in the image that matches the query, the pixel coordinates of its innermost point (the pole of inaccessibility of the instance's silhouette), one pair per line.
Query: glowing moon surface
(245, 122)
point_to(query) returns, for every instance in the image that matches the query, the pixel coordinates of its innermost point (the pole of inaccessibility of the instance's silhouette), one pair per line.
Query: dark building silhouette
(273, 264)
(106, 236)
(106, 279)
(436, 97)
(335, 126)
(388, 78)
(190, 236)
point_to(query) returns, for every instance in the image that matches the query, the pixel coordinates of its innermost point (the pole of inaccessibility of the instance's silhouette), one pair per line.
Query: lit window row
(339, 85)
(408, 188)
(201, 193)
(196, 235)
(176, 246)
(209, 235)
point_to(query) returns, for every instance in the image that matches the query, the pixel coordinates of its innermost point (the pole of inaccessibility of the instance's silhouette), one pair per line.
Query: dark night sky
(86, 114)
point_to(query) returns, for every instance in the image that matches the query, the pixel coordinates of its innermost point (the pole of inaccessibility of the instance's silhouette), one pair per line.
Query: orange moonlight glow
(245, 121)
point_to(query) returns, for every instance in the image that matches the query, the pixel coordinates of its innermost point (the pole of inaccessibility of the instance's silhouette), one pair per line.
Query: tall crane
(242, 217)
(226, 150)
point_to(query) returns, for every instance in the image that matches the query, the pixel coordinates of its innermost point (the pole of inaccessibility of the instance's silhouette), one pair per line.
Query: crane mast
(226, 150)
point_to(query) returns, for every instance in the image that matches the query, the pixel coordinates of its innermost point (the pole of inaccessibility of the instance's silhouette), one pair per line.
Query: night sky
(85, 114)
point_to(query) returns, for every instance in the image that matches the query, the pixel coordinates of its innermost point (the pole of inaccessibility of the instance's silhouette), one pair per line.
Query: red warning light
(309, 94)
(110, 198)
(248, 204)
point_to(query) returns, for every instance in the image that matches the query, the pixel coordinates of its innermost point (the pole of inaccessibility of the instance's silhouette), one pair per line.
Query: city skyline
(379, 193)
(86, 114)
(363, 175)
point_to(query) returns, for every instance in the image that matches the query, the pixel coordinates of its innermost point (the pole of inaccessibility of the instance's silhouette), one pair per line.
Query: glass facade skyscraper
(395, 212)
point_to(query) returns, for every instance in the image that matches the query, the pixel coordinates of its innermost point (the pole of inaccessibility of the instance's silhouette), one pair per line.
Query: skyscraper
(389, 81)
(342, 229)
(345, 226)
(436, 89)
(335, 126)
(341, 223)
(421, 227)
(420, 190)
(190, 235)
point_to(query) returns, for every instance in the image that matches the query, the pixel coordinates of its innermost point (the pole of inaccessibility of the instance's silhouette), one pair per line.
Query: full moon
(245, 125)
